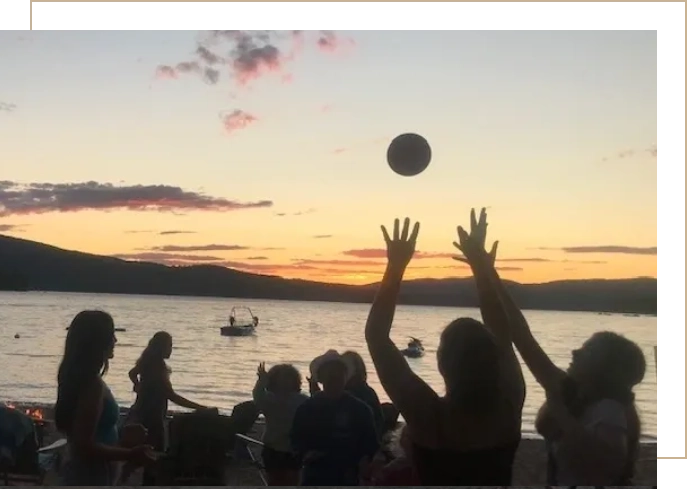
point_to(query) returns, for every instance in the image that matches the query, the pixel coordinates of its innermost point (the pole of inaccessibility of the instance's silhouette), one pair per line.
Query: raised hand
(400, 249)
(473, 245)
(261, 370)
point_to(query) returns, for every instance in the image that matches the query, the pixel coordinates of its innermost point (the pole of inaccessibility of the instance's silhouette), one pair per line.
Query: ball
(409, 154)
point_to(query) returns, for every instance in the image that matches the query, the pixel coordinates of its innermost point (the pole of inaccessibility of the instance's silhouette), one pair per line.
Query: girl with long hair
(86, 411)
(152, 384)
(590, 420)
(470, 435)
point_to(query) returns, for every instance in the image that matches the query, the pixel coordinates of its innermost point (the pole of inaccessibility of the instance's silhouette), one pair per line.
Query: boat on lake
(415, 349)
(242, 322)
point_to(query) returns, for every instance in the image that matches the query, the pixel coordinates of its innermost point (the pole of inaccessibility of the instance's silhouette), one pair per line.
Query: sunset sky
(266, 151)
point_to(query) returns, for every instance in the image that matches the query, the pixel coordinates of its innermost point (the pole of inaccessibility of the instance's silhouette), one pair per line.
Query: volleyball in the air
(409, 154)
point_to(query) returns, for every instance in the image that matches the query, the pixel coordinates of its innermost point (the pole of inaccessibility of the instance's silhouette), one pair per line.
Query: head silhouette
(357, 364)
(159, 349)
(608, 365)
(468, 359)
(89, 346)
(333, 375)
(284, 379)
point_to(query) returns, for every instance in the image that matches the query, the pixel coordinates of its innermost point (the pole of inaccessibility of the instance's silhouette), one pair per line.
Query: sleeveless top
(106, 430)
(445, 467)
(78, 472)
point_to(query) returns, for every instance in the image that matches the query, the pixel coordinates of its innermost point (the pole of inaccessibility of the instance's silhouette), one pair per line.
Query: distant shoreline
(33, 266)
(401, 303)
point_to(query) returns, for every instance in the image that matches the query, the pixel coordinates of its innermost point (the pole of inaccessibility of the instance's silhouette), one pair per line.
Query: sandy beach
(530, 463)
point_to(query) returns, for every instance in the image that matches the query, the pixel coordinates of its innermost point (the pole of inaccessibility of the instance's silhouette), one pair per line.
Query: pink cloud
(236, 120)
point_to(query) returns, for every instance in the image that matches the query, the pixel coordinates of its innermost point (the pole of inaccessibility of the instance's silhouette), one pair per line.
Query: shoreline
(529, 467)
(47, 410)
(400, 303)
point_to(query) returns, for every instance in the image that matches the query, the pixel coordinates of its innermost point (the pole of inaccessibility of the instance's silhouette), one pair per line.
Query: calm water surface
(220, 371)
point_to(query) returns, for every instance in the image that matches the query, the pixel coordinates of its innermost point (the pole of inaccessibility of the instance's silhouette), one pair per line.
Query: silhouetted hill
(42, 267)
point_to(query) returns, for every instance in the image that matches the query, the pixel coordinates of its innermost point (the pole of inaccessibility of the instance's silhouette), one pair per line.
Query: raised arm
(407, 391)
(261, 396)
(495, 314)
(547, 374)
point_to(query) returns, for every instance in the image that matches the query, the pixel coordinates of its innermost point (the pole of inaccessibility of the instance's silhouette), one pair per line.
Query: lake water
(220, 371)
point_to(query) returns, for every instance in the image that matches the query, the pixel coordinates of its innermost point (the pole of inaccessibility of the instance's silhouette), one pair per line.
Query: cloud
(612, 249)
(631, 153)
(323, 236)
(236, 119)
(257, 258)
(7, 107)
(166, 257)
(247, 56)
(175, 231)
(420, 255)
(297, 213)
(137, 231)
(11, 228)
(343, 263)
(381, 253)
(207, 247)
(38, 198)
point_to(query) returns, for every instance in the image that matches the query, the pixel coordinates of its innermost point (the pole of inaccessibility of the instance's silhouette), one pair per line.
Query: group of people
(467, 436)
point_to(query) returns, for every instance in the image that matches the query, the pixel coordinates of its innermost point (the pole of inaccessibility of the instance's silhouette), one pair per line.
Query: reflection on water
(220, 371)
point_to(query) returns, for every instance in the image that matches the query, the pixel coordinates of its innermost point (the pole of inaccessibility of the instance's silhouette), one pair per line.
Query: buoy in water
(409, 154)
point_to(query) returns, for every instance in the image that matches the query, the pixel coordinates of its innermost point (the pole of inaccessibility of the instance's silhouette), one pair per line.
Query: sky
(265, 151)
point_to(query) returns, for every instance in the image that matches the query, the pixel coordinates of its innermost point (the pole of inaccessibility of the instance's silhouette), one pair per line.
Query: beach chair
(255, 462)
(22, 461)
(202, 444)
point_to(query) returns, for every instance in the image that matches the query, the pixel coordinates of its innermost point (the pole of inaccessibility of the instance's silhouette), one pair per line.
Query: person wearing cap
(333, 431)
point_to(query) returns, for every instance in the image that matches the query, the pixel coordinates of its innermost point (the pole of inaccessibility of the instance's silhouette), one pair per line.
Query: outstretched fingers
(415, 232)
(492, 253)
(406, 229)
(396, 225)
(385, 233)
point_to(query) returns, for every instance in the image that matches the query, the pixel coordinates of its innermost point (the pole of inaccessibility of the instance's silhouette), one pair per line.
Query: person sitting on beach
(357, 386)
(86, 411)
(333, 431)
(18, 440)
(469, 436)
(277, 393)
(151, 379)
(400, 471)
(589, 420)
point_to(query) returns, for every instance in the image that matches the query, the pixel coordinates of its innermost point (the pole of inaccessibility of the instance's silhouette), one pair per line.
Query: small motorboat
(415, 349)
(244, 326)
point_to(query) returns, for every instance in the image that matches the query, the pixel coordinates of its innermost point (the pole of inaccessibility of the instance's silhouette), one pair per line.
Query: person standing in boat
(86, 411)
(277, 393)
(153, 387)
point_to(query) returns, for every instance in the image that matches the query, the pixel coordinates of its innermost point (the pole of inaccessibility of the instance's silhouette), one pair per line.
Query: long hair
(359, 374)
(468, 359)
(622, 366)
(152, 358)
(89, 340)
